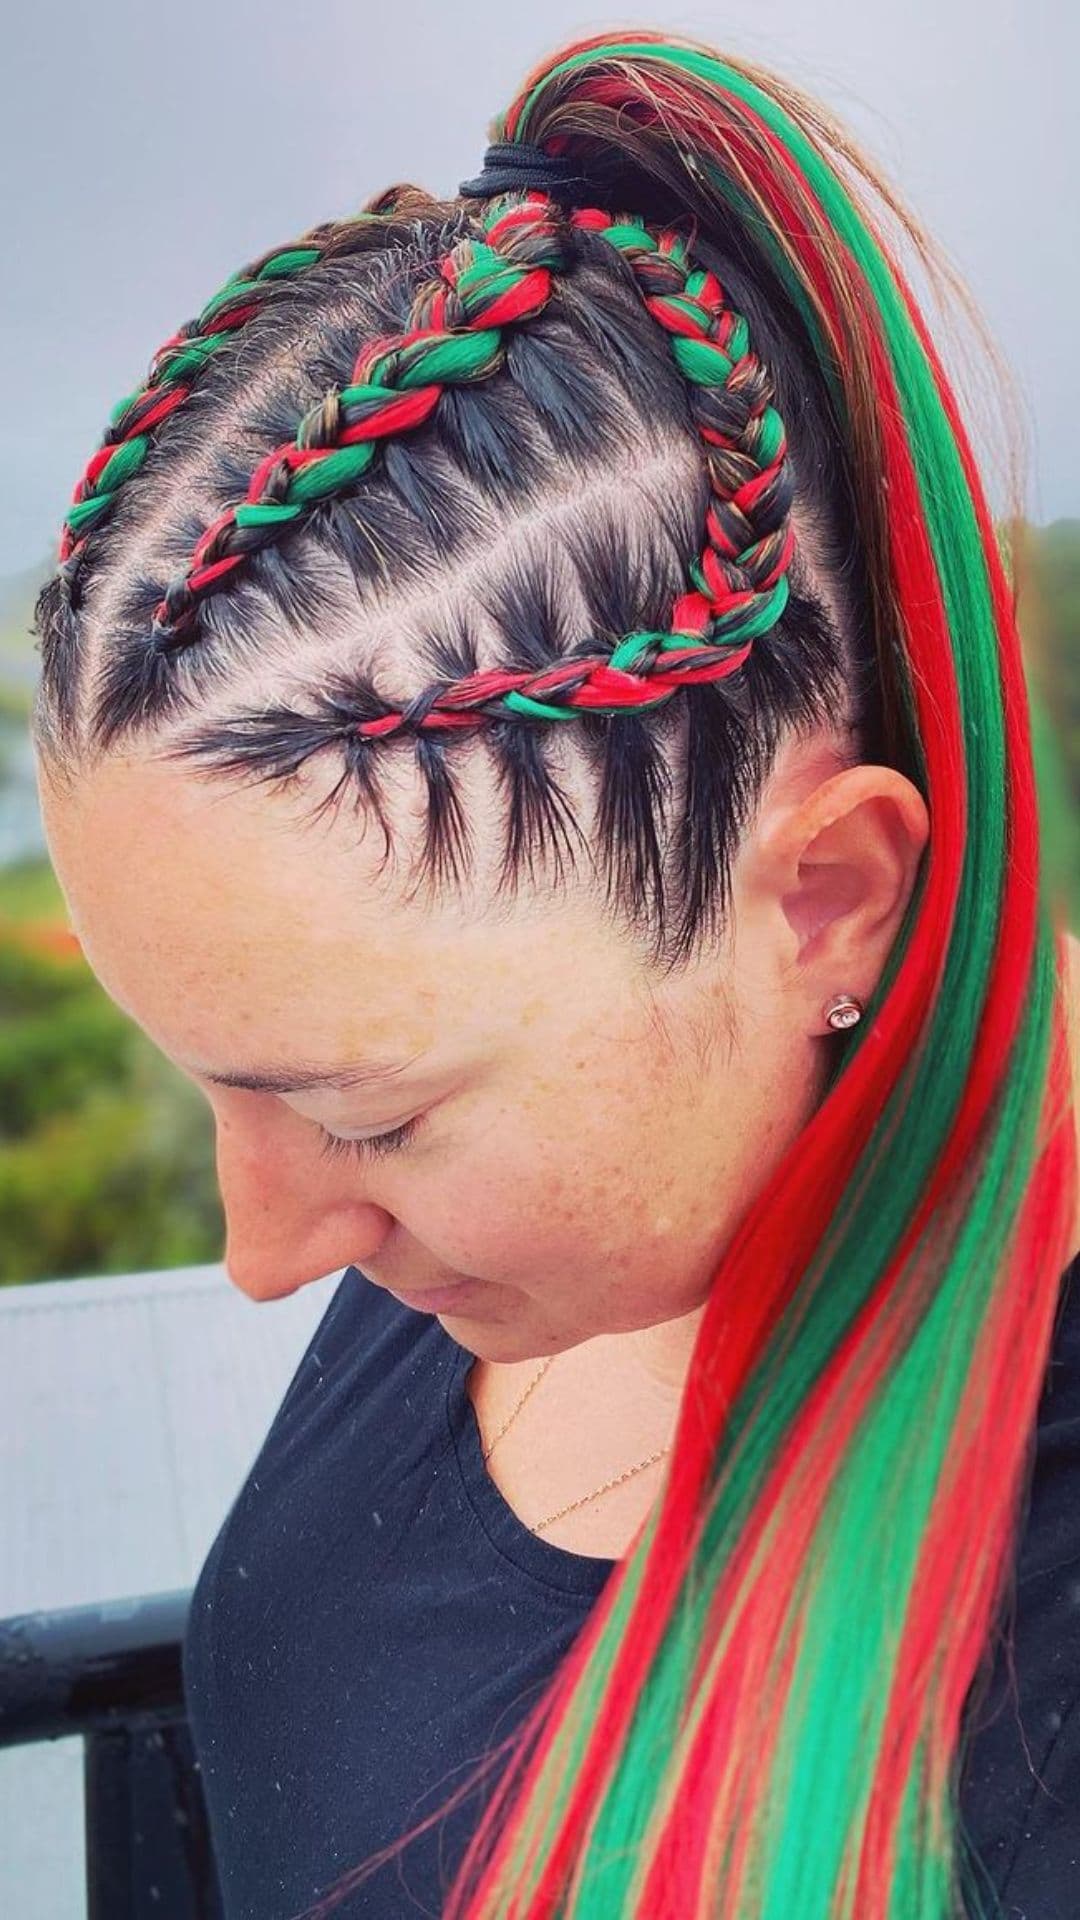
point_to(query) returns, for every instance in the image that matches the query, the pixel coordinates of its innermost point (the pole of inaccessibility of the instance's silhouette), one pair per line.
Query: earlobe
(843, 1011)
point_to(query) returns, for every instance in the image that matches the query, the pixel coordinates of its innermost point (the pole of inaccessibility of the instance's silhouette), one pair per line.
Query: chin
(478, 1335)
(501, 1343)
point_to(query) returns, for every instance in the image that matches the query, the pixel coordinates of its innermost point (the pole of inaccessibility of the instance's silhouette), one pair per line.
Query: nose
(290, 1216)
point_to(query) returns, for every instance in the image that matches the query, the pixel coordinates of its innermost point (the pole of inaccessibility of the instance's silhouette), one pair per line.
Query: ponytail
(764, 1713)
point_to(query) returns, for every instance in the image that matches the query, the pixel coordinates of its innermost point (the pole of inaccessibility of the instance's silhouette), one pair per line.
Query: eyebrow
(302, 1077)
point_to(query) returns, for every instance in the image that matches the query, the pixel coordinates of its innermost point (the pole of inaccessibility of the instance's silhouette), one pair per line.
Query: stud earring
(843, 1012)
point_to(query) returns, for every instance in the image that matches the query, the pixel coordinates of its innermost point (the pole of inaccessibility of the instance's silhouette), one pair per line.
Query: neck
(653, 1360)
(606, 1403)
(663, 1351)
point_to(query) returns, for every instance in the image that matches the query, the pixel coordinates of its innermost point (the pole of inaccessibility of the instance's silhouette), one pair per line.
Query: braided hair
(439, 368)
(660, 381)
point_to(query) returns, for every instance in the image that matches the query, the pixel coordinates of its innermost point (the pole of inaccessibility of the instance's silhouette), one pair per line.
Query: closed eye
(335, 1147)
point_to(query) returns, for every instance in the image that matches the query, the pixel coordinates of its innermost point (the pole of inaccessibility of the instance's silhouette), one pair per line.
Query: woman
(532, 721)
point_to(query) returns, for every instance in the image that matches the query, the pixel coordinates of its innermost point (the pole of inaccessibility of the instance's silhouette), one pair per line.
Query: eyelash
(379, 1147)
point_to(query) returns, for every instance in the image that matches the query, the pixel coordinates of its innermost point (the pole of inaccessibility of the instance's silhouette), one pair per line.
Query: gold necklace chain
(538, 1526)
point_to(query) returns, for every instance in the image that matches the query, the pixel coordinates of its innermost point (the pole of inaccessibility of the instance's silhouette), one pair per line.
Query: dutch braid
(177, 365)
(455, 334)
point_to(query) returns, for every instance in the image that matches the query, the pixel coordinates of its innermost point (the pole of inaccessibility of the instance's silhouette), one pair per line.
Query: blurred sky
(152, 151)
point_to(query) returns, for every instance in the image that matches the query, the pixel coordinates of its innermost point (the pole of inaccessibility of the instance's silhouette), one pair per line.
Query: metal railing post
(112, 1673)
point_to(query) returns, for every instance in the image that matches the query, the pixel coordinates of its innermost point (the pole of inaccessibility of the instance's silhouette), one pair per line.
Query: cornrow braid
(455, 334)
(175, 368)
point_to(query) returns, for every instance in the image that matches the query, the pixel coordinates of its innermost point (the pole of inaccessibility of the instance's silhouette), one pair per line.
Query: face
(559, 1140)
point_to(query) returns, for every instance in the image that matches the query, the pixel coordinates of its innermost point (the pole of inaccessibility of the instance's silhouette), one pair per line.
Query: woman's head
(587, 1131)
(611, 940)
(617, 932)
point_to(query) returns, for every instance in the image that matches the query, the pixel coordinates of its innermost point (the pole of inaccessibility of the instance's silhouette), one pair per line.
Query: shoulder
(1020, 1764)
(1072, 948)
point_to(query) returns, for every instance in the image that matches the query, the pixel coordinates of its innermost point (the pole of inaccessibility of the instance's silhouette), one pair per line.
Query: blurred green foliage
(1056, 559)
(106, 1151)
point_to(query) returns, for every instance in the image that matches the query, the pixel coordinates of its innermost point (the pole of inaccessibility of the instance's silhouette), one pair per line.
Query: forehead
(233, 929)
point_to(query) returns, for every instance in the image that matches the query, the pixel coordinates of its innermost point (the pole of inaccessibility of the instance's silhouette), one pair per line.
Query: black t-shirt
(373, 1617)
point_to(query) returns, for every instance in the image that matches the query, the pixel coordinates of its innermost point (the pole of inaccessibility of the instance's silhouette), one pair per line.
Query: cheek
(504, 1206)
(576, 1215)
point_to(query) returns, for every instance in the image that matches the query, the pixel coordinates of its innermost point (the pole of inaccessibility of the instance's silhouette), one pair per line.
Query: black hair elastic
(511, 166)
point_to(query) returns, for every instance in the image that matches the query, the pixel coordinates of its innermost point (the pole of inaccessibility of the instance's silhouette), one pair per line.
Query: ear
(845, 861)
